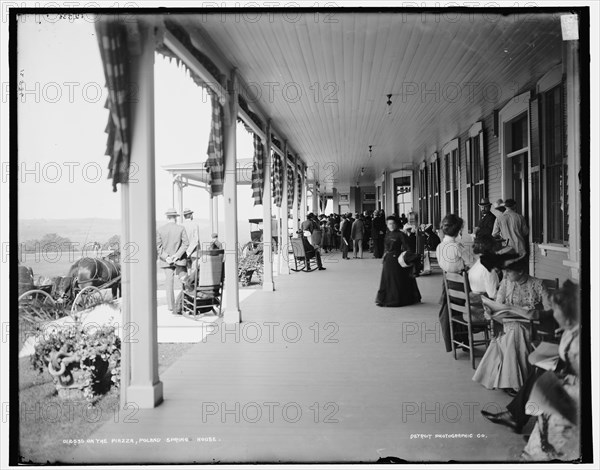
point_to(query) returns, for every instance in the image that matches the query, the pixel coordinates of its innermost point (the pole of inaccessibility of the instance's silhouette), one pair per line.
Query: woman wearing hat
(397, 287)
(505, 364)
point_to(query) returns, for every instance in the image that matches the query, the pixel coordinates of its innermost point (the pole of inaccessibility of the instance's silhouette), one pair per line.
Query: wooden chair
(301, 258)
(457, 295)
(544, 329)
(203, 293)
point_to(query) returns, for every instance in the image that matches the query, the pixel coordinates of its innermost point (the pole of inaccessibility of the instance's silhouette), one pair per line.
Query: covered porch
(316, 374)
(375, 115)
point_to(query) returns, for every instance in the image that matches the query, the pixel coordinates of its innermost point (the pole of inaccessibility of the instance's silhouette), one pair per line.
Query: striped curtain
(277, 177)
(290, 187)
(258, 171)
(113, 43)
(215, 164)
(299, 184)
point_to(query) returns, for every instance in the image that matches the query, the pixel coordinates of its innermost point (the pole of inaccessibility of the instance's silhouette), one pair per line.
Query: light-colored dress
(554, 437)
(505, 363)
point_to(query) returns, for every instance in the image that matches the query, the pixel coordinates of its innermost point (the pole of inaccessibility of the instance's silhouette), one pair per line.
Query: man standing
(357, 232)
(485, 226)
(512, 227)
(171, 245)
(192, 232)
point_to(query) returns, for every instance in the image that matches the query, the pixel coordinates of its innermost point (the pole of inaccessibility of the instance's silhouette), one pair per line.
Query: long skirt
(397, 287)
(505, 363)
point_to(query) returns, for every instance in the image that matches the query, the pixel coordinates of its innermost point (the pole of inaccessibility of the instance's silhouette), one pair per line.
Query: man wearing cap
(512, 227)
(192, 232)
(486, 224)
(171, 245)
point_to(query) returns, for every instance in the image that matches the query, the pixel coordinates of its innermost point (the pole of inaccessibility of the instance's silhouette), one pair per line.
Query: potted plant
(83, 360)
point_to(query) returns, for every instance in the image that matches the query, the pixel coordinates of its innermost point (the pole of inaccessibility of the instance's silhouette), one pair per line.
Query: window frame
(476, 189)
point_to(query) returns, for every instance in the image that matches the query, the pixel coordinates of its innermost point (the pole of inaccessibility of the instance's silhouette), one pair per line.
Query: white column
(145, 388)
(126, 296)
(303, 206)
(282, 241)
(315, 198)
(215, 212)
(267, 201)
(174, 183)
(180, 186)
(211, 217)
(284, 246)
(295, 214)
(571, 65)
(336, 201)
(232, 312)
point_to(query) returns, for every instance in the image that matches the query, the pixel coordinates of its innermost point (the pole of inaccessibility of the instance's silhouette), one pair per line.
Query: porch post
(232, 312)
(180, 198)
(210, 213)
(267, 201)
(303, 205)
(315, 198)
(335, 199)
(284, 246)
(295, 215)
(571, 65)
(145, 389)
(215, 212)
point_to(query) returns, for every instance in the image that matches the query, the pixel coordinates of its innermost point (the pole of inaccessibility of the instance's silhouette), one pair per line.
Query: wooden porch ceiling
(444, 73)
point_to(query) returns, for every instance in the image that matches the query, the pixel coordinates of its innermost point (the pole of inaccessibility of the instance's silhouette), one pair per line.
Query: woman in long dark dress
(397, 287)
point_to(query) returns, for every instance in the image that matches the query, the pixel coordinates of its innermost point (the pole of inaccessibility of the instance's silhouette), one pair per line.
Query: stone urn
(70, 378)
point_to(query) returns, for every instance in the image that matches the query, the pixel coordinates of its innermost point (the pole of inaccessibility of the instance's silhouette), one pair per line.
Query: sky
(61, 115)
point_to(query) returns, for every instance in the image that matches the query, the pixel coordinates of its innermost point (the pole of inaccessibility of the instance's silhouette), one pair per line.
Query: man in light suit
(171, 245)
(192, 231)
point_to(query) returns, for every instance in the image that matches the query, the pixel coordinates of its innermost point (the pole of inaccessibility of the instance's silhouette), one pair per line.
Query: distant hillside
(89, 230)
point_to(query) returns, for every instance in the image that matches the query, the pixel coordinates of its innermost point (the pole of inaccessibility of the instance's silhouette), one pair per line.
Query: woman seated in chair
(505, 365)
(555, 395)
(484, 275)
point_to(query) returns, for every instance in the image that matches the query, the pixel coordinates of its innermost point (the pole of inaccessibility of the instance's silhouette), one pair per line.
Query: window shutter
(482, 165)
(537, 224)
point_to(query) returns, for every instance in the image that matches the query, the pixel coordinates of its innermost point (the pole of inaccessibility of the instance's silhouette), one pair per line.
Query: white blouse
(449, 255)
(483, 281)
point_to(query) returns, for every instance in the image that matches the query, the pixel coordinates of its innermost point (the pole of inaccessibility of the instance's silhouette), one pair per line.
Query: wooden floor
(331, 378)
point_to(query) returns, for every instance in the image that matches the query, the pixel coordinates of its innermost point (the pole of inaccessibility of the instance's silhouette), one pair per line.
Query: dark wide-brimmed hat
(484, 202)
(499, 260)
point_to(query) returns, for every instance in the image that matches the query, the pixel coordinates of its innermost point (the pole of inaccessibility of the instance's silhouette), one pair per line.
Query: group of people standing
(177, 249)
(500, 282)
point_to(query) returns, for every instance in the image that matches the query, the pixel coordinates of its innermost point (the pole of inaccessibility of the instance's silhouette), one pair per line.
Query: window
(434, 190)
(554, 161)
(452, 177)
(476, 174)
(423, 194)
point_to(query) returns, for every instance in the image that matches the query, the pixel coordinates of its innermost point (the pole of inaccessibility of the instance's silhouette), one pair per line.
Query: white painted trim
(433, 157)
(176, 47)
(251, 124)
(517, 105)
(550, 79)
(476, 129)
(452, 145)
(545, 247)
